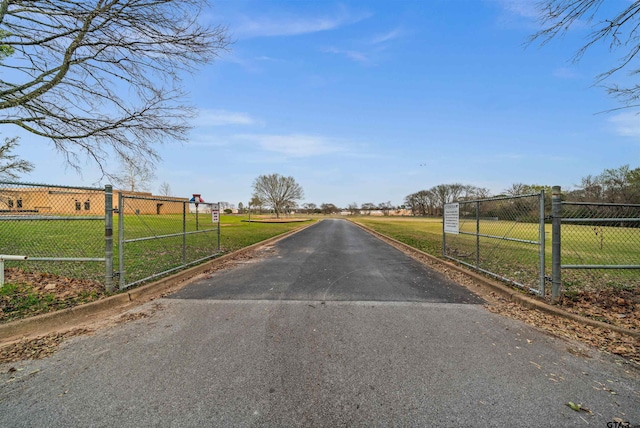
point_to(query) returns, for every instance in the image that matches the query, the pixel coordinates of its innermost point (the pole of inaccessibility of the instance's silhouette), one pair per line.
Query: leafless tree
(10, 165)
(620, 31)
(103, 76)
(386, 207)
(256, 202)
(133, 175)
(518, 189)
(277, 191)
(353, 209)
(309, 207)
(165, 189)
(328, 208)
(367, 207)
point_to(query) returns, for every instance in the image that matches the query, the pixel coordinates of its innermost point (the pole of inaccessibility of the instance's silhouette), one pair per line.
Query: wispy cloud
(351, 54)
(626, 124)
(566, 73)
(293, 145)
(367, 51)
(519, 8)
(224, 118)
(517, 14)
(291, 25)
(385, 37)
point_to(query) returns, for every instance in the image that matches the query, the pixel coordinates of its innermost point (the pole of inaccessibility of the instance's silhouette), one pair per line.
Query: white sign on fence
(452, 218)
(215, 213)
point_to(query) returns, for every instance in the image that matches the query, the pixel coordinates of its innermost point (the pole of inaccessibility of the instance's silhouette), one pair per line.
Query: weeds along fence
(76, 232)
(503, 237)
(599, 246)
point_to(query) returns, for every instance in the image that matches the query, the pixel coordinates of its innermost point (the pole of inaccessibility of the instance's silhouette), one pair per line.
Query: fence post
(184, 232)
(108, 237)
(477, 233)
(121, 241)
(219, 215)
(543, 238)
(556, 221)
(444, 236)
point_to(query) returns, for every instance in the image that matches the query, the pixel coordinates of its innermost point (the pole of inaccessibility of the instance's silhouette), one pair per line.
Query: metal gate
(503, 237)
(157, 236)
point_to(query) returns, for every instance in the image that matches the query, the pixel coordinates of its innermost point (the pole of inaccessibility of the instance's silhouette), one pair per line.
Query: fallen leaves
(40, 347)
(610, 341)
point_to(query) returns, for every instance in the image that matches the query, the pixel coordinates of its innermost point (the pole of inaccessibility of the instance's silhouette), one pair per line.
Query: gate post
(121, 280)
(556, 221)
(543, 251)
(108, 237)
(477, 234)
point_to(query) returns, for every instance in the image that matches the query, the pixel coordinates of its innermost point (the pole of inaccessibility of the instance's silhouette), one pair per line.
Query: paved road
(333, 260)
(259, 346)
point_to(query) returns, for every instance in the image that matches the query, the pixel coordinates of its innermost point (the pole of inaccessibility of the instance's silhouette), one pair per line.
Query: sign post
(196, 199)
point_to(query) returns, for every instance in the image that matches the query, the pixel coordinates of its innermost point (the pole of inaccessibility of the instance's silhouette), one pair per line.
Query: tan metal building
(70, 201)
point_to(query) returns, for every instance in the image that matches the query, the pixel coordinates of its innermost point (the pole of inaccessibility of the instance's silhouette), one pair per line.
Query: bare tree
(368, 207)
(353, 209)
(133, 175)
(518, 189)
(97, 77)
(309, 207)
(165, 189)
(328, 209)
(277, 191)
(619, 31)
(256, 202)
(10, 165)
(386, 207)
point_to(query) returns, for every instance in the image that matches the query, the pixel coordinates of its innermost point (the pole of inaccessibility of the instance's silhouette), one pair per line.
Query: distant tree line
(431, 201)
(617, 185)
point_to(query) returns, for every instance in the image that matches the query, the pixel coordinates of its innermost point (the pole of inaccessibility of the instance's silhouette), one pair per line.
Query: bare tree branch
(10, 165)
(103, 76)
(621, 32)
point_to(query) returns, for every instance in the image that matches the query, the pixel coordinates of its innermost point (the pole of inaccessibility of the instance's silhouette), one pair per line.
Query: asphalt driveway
(329, 327)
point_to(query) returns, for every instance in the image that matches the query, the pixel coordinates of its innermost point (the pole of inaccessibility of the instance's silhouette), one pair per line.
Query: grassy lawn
(581, 244)
(24, 292)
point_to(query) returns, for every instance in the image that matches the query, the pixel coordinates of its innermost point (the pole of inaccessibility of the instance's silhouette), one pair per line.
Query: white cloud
(626, 124)
(518, 14)
(385, 37)
(208, 117)
(520, 8)
(293, 25)
(351, 54)
(294, 145)
(566, 73)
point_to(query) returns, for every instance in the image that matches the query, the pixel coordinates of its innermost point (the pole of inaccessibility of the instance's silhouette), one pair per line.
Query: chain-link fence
(503, 237)
(60, 229)
(600, 246)
(160, 235)
(74, 233)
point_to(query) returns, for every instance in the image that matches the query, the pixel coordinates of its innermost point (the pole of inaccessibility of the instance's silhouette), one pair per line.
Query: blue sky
(368, 101)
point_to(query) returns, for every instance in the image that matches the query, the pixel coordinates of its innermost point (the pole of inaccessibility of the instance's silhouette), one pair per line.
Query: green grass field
(81, 238)
(584, 245)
